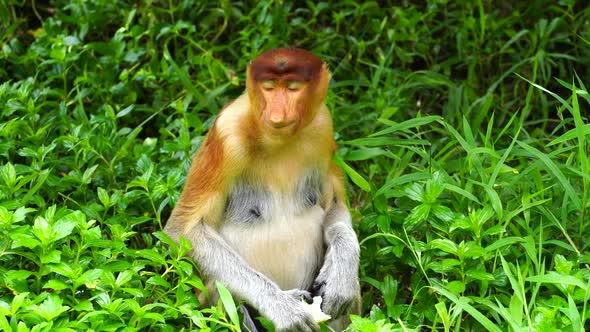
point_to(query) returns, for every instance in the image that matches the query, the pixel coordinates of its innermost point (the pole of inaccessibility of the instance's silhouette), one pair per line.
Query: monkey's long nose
(278, 118)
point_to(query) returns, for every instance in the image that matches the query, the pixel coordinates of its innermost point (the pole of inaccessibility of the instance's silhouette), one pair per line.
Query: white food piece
(315, 309)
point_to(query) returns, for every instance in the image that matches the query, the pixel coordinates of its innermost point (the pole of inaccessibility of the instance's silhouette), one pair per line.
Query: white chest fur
(280, 236)
(288, 248)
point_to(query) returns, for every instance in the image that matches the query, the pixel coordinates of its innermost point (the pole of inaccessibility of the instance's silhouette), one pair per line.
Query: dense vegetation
(463, 124)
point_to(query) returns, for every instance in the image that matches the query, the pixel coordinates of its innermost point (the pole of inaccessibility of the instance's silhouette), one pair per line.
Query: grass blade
(553, 169)
(228, 303)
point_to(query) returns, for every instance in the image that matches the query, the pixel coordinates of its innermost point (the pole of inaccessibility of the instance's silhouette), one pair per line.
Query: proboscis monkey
(264, 205)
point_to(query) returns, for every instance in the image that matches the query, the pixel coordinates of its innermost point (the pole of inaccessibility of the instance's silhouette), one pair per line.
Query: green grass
(462, 126)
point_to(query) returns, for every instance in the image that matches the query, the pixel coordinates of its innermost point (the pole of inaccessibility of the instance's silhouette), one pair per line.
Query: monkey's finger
(318, 288)
(301, 294)
(307, 297)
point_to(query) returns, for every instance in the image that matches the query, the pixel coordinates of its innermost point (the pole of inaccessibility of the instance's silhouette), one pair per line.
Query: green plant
(462, 127)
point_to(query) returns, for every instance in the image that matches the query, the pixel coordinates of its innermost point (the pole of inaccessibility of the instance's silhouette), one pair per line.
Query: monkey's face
(283, 106)
(286, 87)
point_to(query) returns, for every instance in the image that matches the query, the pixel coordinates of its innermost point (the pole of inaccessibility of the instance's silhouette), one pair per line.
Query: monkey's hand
(289, 314)
(339, 288)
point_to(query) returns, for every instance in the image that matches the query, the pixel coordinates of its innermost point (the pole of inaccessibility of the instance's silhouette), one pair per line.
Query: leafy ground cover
(463, 125)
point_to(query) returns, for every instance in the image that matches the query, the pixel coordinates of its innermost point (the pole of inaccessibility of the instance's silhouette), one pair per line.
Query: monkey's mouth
(285, 129)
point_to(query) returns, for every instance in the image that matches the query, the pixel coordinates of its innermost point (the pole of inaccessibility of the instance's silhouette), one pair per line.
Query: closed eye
(268, 84)
(295, 85)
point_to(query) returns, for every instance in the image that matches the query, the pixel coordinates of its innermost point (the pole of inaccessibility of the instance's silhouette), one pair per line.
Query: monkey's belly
(288, 248)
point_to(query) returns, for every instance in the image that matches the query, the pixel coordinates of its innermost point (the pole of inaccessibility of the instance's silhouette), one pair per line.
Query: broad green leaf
(415, 192)
(389, 287)
(479, 274)
(84, 306)
(64, 226)
(4, 325)
(445, 245)
(6, 217)
(43, 230)
(516, 309)
(18, 274)
(124, 277)
(71, 41)
(64, 269)
(416, 216)
(53, 256)
(505, 242)
(434, 187)
(472, 250)
(562, 265)
(560, 279)
(151, 255)
(9, 174)
(443, 212)
(88, 173)
(157, 280)
(18, 301)
(456, 287)
(574, 315)
(21, 212)
(165, 238)
(90, 278)
(56, 284)
(134, 291)
(352, 174)
(104, 198)
(228, 303)
(23, 237)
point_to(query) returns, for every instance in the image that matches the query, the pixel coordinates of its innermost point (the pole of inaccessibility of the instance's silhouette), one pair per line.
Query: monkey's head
(286, 86)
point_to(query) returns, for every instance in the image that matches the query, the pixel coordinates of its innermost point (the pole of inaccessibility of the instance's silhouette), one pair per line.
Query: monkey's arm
(337, 281)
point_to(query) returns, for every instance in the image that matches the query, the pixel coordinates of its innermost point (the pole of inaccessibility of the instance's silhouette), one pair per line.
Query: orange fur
(240, 142)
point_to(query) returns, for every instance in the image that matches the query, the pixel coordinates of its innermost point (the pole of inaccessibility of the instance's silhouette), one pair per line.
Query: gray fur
(247, 204)
(309, 190)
